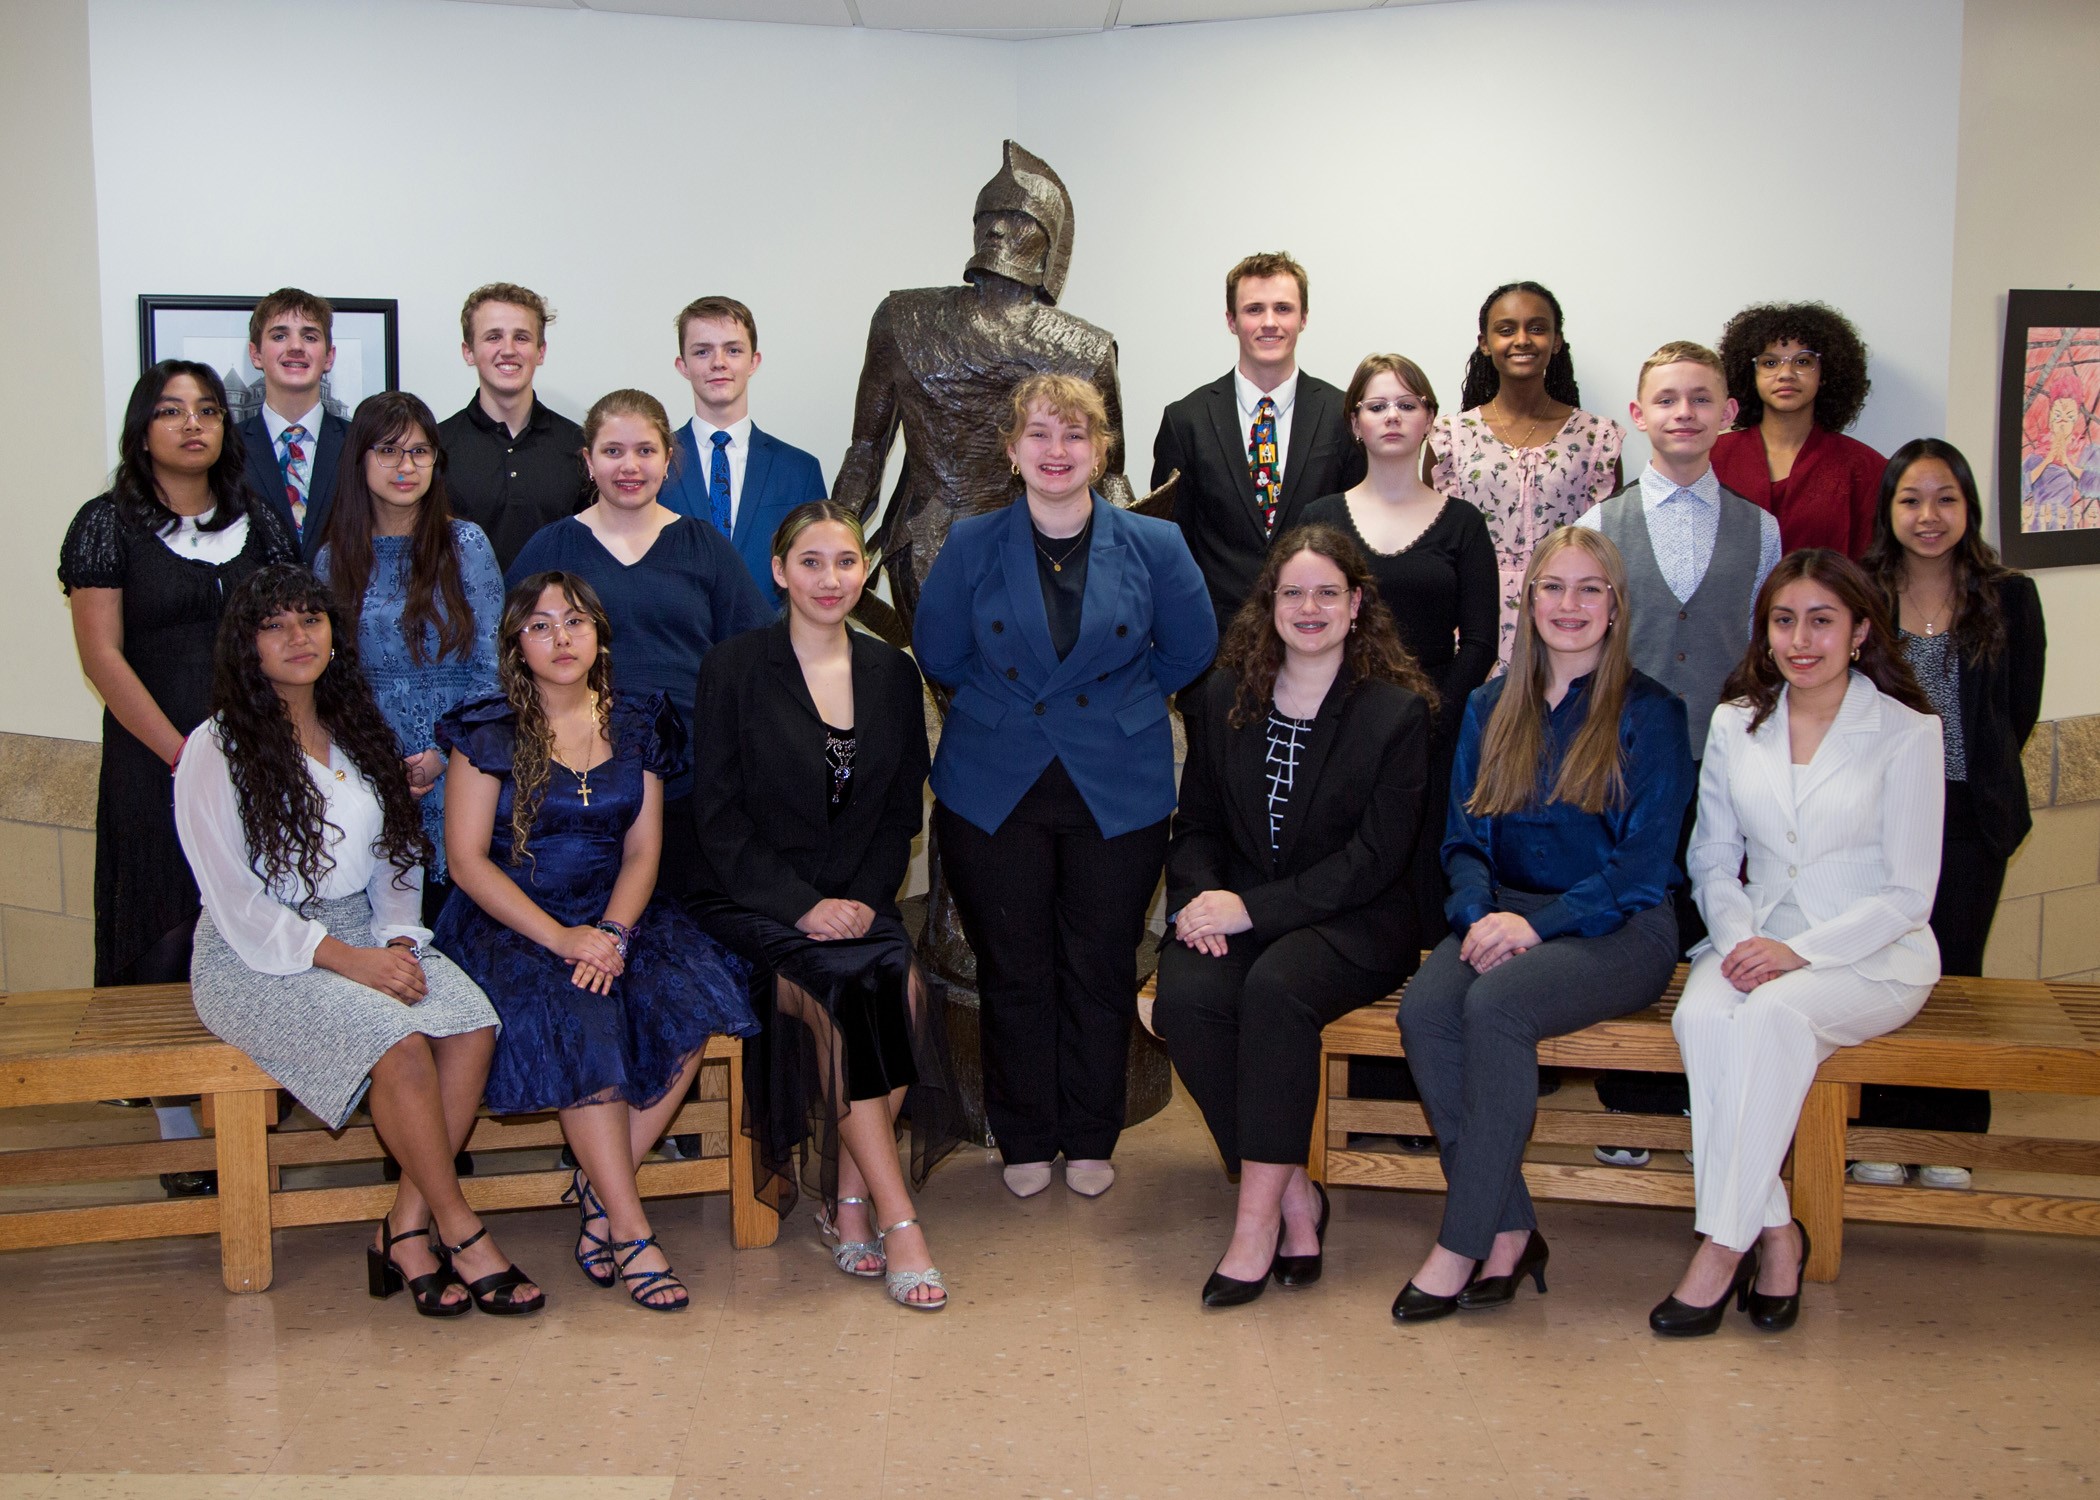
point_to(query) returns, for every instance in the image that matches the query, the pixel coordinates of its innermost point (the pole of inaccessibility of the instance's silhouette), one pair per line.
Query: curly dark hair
(1813, 325)
(1483, 380)
(533, 738)
(1757, 679)
(132, 487)
(1978, 626)
(282, 811)
(1254, 652)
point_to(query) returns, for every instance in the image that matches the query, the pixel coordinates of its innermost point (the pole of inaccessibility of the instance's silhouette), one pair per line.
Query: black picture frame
(214, 331)
(2049, 430)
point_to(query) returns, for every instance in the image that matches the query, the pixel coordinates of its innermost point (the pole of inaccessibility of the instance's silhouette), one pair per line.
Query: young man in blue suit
(294, 443)
(726, 470)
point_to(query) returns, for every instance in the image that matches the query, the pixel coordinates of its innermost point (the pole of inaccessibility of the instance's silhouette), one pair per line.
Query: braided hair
(1483, 380)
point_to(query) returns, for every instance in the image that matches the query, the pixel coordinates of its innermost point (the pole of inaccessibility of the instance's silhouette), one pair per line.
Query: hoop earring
(1855, 653)
(1017, 471)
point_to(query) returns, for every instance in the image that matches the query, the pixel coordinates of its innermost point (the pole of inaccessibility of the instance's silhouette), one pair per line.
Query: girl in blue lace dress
(608, 993)
(421, 588)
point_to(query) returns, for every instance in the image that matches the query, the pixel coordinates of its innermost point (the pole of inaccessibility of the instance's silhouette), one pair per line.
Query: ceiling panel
(1169, 12)
(788, 12)
(1007, 16)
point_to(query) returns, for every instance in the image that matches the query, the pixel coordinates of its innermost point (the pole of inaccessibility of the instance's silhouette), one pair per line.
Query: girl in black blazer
(1972, 632)
(808, 790)
(1288, 879)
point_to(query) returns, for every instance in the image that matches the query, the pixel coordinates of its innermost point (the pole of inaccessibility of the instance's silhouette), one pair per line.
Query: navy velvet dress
(561, 1045)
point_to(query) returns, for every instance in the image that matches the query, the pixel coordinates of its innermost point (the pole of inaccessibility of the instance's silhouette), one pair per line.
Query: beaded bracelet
(620, 932)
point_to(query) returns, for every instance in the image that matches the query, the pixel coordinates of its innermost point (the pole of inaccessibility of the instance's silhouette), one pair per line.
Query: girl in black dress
(148, 567)
(809, 788)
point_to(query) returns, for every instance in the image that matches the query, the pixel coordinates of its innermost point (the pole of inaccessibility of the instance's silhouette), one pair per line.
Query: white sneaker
(1026, 1179)
(1878, 1173)
(1955, 1178)
(1622, 1156)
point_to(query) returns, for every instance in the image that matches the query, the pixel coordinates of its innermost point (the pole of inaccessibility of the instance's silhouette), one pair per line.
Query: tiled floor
(1075, 1362)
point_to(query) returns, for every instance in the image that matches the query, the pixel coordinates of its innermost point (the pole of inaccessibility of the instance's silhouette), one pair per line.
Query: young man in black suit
(1257, 446)
(293, 442)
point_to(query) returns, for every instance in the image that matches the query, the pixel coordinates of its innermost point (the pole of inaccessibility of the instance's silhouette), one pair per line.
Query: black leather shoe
(1414, 1305)
(1676, 1319)
(1221, 1290)
(1499, 1291)
(1303, 1270)
(1777, 1314)
(190, 1184)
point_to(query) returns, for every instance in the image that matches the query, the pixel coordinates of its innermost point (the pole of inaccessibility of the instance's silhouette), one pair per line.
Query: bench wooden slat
(2040, 1213)
(1546, 1179)
(367, 1201)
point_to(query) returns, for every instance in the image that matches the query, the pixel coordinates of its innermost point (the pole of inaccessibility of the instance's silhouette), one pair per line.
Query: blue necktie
(718, 485)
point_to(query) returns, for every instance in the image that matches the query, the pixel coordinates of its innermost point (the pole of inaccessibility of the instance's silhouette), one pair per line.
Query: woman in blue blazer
(1061, 624)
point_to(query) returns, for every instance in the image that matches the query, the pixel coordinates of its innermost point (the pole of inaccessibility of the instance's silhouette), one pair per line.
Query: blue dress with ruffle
(561, 1045)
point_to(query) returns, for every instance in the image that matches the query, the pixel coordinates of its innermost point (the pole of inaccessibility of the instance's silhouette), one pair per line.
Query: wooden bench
(2013, 1035)
(78, 1046)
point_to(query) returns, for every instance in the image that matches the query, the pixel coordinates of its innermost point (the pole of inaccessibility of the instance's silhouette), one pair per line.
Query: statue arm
(1114, 485)
(876, 417)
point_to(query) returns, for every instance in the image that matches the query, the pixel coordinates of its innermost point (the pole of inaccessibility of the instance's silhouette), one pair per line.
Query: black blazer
(2000, 702)
(1356, 809)
(761, 788)
(267, 480)
(1202, 436)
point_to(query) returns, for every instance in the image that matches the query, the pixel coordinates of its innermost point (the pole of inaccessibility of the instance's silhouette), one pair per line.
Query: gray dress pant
(1472, 1041)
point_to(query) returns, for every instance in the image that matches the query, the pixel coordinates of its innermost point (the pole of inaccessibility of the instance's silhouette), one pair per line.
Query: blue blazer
(777, 478)
(267, 479)
(1146, 629)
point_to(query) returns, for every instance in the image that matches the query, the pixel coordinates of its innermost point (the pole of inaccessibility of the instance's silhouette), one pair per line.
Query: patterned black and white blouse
(1286, 735)
(1936, 662)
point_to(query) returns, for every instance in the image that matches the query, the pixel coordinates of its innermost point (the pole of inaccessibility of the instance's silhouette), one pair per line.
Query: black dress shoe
(1777, 1314)
(1221, 1290)
(1676, 1319)
(1303, 1270)
(1414, 1305)
(190, 1184)
(1416, 1145)
(1499, 1291)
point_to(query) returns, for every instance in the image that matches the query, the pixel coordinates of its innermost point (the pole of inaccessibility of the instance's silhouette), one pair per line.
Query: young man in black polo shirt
(511, 465)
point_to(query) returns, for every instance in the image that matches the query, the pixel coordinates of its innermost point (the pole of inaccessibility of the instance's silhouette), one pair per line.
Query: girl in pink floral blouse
(1521, 450)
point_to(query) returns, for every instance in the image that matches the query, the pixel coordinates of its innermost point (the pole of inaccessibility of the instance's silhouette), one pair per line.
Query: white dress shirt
(1683, 522)
(275, 426)
(739, 457)
(1286, 398)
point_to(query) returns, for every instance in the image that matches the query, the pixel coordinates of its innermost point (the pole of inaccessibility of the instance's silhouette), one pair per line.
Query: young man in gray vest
(1696, 555)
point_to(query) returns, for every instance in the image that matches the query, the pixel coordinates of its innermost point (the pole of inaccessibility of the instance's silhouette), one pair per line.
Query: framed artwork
(2049, 430)
(214, 331)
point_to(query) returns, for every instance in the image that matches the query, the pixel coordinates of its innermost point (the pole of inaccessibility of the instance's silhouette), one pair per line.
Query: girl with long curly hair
(1813, 863)
(1567, 794)
(296, 816)
(607, 990)
(1289, 879)
(1798, 374)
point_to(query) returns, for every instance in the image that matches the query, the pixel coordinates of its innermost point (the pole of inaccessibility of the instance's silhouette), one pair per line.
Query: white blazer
(1858, 848)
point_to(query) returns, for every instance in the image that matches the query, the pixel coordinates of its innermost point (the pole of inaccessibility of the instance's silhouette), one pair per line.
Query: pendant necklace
(1057, 564)
(583, 778)
(1529, 433)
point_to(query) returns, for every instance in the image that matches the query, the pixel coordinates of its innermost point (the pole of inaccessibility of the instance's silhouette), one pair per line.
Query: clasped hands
(423, 768)
(1754, 960)
(1209, 919)
(836, 917)
(595, 956)
(1495, 939)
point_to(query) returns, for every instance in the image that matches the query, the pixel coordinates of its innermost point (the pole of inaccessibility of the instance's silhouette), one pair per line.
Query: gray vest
(1690, 647)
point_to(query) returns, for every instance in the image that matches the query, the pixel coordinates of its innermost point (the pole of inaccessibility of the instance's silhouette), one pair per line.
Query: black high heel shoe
(1499, 1291)
(1303, 1270)
(1676, 1319)
(1777, 1314)
(383, 1278)
(1221, 1290)
(596, 1262)
(496, 1292)
(1414, 1305)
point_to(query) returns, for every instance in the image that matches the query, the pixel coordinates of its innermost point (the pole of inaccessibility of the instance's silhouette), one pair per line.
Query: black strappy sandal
(642, 1284)
(596, 1263)
(496, 1292)
(383, 1278)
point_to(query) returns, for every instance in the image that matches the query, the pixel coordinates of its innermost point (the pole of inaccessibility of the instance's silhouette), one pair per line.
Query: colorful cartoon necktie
(293, 462)
(718, 485)
(1262, 465)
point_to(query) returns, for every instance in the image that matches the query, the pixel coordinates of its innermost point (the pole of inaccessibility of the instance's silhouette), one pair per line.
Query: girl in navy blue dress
(553, 826)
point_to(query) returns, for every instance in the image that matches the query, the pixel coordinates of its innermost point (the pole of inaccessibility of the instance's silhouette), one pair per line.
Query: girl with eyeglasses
(147, 568)
(420, 587)
(1570, 785)
(1798, 373)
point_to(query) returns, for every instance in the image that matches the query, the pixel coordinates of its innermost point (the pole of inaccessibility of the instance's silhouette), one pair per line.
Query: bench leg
(244, 1191)
(752, 1225)
(1819, 1178)
(1316, 1159)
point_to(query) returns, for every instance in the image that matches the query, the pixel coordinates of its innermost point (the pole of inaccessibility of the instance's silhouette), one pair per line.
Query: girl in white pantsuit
(1823, 771)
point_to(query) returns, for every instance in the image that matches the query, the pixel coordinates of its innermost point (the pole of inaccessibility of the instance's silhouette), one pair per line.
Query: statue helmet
(1026, 184)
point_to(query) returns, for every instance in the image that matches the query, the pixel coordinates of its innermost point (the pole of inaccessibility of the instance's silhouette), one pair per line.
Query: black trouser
(678, 867)
(1054, 912)
(1635, 1093)
(1244, 1033)
(1962, 908)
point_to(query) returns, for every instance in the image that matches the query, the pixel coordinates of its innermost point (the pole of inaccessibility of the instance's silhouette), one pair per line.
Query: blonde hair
(809, 514)
(1681, 352)
(1069, 399)
(1513, 759)
(1412, 379)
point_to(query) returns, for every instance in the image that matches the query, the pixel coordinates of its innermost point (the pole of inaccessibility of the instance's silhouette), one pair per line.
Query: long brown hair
(1513, 759)
(1978, 626)
(1757, 679)
(533, 751)
(1254, 651)
(433, 554)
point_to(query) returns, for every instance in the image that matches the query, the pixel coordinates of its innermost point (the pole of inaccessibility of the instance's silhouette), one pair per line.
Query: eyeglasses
(1327, 596)
(183, 416)
(543, 630)
(422, 455)
(1804, 360)
(1584, 595)
(1378, 406)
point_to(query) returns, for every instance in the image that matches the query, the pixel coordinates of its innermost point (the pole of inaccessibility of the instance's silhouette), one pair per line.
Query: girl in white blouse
(295, 814)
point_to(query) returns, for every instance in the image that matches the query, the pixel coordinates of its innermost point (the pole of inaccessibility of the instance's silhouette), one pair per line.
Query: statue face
(1011, 244)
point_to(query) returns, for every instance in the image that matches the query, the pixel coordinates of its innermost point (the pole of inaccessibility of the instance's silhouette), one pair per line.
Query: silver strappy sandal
(902, 1284)
(848, 1254)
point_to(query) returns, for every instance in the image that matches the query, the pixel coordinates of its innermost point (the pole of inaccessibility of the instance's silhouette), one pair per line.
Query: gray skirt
(318, 1033)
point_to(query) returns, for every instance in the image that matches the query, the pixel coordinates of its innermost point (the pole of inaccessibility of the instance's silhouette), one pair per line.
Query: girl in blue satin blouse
(1061, 624)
